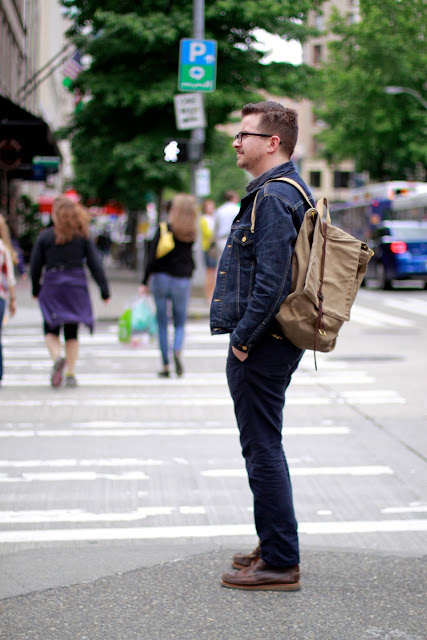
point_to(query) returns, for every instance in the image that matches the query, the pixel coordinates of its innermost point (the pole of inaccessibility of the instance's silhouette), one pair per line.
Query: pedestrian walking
(61, 253)
(224, 217)
(7, 280)
(170, 275)
(254, 277)
(209, 246)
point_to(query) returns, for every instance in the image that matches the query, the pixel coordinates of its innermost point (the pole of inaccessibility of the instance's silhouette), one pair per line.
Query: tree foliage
(117, 137)
(384, 134)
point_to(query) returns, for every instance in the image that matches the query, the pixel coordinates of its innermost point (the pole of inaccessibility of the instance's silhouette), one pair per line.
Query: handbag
(166, 241)
(328, 266)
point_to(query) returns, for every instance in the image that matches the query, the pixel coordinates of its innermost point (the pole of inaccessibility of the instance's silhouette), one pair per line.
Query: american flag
(73, 66)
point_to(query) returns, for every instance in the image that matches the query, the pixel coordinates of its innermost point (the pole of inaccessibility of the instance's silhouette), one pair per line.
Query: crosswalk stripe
(204, 531)
(125, 432)
(111, 380)
(190, 401)
(417, 305)
(88, 476)
(373, 318)
(374, 470)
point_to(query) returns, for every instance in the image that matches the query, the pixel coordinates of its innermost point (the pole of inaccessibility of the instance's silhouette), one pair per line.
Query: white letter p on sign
(196, 49)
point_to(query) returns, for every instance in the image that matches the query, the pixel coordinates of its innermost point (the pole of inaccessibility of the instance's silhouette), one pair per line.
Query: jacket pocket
(243, 247)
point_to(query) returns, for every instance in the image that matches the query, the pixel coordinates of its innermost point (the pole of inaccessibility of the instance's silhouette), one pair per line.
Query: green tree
(118, 136)
(384, 134)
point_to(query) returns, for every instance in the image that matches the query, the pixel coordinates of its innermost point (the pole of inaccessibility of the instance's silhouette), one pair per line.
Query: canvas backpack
(328, 266)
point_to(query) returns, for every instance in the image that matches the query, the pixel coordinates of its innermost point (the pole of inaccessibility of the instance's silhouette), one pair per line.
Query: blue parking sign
(197, 65)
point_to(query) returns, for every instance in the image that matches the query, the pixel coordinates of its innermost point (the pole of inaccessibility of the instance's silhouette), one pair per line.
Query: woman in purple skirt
(61, 253)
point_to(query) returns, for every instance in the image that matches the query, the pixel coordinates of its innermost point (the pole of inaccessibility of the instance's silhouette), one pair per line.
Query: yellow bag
(166, 241)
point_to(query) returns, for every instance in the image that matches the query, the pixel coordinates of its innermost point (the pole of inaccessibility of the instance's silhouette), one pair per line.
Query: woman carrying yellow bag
(209, 248)
(170, 275)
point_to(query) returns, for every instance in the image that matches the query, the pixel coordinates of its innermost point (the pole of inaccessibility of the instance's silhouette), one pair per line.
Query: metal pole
(198, 134)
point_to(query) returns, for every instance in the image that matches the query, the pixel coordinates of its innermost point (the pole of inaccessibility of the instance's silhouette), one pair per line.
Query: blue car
(400, 252)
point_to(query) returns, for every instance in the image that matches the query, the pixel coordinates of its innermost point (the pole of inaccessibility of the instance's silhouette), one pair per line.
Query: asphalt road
(122, 500)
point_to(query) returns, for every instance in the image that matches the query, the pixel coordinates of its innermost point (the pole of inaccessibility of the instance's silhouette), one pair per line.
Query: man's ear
(274, 144)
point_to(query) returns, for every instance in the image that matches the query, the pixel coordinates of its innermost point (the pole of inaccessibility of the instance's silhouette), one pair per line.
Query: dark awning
(23, 136)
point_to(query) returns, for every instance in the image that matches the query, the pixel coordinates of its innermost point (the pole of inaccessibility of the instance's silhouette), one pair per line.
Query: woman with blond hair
(170, 276)
(62, 251)
(7, 279)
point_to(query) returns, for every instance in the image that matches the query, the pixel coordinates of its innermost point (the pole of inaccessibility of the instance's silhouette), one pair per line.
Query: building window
(317, 52)
(319, 22)
(315, 179)
(342, 179)
(314, 146)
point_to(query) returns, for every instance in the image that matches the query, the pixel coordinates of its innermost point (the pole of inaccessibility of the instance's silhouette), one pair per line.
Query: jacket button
(222, 272)
(217, 300)
(243, 347)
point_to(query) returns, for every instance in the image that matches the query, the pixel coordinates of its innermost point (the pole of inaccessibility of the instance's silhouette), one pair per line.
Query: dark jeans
(2, 308)
(258, 387)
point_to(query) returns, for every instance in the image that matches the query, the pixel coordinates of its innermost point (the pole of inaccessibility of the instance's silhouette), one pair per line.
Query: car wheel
(382, 281)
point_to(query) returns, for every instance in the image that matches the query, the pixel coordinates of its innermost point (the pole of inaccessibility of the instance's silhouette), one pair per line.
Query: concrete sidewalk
(170, 589)
(345, 596)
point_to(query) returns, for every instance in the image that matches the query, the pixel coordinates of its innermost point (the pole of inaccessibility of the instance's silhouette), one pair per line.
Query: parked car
(400, 252)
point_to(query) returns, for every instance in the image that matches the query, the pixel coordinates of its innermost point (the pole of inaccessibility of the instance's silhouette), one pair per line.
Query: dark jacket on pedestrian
(71, 255)
(178, 263)
(63, 292)
(254, 272)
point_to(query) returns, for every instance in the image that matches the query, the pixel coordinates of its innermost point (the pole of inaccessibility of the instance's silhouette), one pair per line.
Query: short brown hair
(70, 220)
(277, 120)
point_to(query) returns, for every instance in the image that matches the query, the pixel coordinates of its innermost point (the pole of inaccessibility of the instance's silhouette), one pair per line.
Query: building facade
(33, 102)
(333, 182)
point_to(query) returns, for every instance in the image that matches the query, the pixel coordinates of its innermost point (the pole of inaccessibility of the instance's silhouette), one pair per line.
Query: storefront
(23, 136)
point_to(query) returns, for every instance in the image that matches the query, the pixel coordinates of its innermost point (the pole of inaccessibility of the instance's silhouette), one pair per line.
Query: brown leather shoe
(262, 577)
(242, 560)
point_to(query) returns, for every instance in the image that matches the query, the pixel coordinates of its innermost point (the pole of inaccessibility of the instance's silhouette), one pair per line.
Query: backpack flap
(342, 260)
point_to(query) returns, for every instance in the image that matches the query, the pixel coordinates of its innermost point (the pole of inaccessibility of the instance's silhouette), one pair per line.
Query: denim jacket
(254, 272)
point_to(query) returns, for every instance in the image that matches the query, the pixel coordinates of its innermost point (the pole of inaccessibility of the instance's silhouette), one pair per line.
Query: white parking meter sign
(197, 65)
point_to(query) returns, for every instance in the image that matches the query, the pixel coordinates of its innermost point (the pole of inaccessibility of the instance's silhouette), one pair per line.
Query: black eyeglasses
(239, 136)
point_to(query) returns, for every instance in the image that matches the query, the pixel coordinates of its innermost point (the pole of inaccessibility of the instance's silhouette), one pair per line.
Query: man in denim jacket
(254, 277)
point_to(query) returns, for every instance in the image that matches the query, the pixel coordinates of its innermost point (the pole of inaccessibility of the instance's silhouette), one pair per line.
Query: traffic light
(176, 150)
(182, 150)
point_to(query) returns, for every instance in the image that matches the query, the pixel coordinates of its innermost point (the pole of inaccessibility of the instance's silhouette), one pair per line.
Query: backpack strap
(321, 205)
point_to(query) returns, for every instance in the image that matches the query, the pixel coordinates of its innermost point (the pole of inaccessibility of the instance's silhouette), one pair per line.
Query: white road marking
(200, 531)
(74, 462)
(417, 305)
(369, 317)
(126, 432)
(148, 402)
(111, 380)
(373, 396)
(308, 471)
(71, 476)
(414, 509)
(35, 516)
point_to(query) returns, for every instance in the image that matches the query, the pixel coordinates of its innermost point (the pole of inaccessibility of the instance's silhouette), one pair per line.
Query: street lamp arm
(412, 92)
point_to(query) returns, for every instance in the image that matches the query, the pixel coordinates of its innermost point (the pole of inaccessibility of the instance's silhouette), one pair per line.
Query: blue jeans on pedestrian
(2, 308)
(258, 387)
(177, 290)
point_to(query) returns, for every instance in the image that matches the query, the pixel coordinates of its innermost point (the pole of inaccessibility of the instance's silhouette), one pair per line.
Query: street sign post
(197, 65)
(189, 111)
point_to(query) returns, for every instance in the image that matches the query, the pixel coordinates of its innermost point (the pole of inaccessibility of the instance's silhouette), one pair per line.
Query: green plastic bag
(125, 326)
